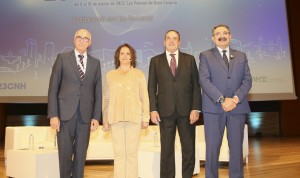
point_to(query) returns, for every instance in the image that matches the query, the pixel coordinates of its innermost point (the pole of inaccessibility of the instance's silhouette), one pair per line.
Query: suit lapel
(231, 57)
(166, 64)
(180, 65)
(89, 65)
(74, 63)
(219, 57)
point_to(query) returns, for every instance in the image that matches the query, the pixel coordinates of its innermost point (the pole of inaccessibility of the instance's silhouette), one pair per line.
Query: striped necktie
(81, 72)
(225, 59)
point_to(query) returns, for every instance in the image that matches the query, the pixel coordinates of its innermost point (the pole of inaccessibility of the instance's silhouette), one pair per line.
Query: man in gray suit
(175, 102)
(74, 103)
(226, 80)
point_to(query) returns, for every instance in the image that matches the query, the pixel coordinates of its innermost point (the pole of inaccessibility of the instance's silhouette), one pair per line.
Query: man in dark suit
(74, 103)
(225, 80)
(175, 99)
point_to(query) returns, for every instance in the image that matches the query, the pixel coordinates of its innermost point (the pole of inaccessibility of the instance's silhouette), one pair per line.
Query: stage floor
(269, 157)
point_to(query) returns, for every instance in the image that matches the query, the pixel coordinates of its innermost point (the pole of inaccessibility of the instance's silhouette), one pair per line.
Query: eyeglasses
(219, 33)
(85, 39)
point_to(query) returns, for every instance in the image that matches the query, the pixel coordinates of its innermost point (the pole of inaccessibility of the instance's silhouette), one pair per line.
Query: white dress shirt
(169, 57)
(83, 68)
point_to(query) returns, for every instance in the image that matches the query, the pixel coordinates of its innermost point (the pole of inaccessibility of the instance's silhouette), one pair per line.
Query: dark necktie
(81, 73)
(225, 59)
(173, 64)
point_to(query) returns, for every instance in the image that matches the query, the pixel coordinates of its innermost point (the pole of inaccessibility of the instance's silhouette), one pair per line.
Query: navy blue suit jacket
(216, 80)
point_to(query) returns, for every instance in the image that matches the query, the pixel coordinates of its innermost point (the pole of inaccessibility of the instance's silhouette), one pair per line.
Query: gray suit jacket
(67, 91)
(217, 80)
(167, 92)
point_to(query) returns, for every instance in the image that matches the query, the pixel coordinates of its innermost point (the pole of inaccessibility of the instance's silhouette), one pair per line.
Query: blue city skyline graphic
(30, 58)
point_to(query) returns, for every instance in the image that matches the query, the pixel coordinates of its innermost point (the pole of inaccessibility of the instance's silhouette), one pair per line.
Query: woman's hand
(144, 124)
(106, 127)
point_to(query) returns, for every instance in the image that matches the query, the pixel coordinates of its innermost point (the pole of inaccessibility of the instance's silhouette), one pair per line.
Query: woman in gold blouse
(125, 110)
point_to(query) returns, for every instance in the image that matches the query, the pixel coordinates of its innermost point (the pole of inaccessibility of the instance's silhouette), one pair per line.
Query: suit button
(228, 77)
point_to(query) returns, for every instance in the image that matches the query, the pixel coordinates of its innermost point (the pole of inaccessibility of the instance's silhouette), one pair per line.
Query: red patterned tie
(81, 72)
(173, 64)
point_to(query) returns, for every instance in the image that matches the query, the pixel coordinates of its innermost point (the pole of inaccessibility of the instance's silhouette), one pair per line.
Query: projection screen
(33, 32)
